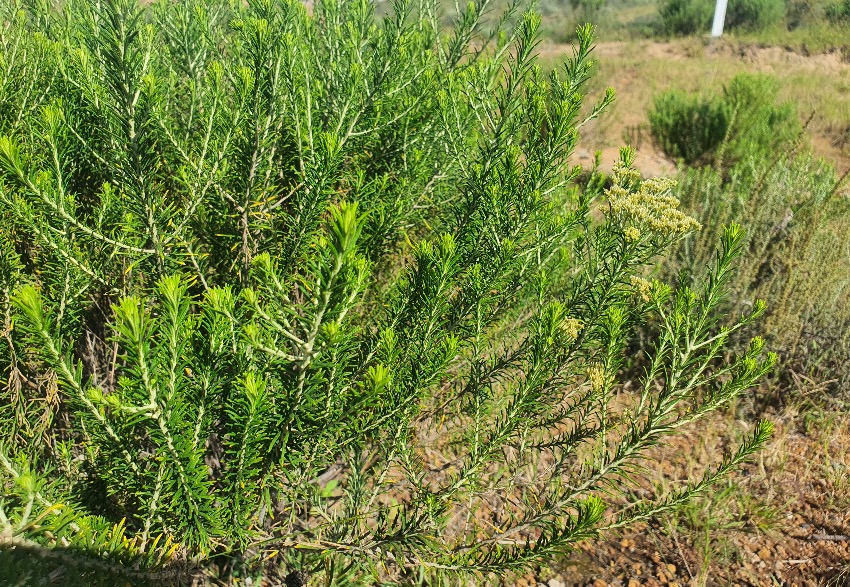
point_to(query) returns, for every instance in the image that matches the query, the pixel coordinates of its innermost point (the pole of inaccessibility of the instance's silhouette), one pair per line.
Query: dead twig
(832, 537)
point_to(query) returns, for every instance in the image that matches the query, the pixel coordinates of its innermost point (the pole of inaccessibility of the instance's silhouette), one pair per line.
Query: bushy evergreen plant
(745, 120)
(688, 127)
(754, 15)
(838, 12)
(685, 17)
(310, 293)
(693, 17)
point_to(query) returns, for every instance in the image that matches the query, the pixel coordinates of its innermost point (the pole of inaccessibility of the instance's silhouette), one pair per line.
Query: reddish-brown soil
(783, 521)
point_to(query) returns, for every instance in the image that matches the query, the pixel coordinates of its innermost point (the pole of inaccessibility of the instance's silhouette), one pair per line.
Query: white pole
(719, 17)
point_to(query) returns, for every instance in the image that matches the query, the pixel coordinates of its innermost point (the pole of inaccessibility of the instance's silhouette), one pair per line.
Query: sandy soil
(784, 520)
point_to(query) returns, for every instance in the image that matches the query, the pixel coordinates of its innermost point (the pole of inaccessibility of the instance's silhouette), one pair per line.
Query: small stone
(556, 583)
(522, 582)
(599, 583)
(633, 583)
(671, 568)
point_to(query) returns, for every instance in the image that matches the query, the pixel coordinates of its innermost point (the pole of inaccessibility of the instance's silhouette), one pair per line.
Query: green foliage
(838, 11)
(754, 15)
(689, 17)
(688, 127)
(795, 255)
(685, 17)
(745, 120)
(314, 295)
(588, 8)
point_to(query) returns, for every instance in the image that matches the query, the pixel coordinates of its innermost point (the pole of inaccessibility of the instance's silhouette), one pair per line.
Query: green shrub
(688, 127)
(745, 120)
(293, 296)
(754, 15)
(690, 17)
(587, 7)
(795, 255)
(799, 13)
(686, 17)
(838, 12)
(759, 123)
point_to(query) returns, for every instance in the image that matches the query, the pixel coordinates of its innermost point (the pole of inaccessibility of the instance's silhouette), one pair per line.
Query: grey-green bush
(795, 255)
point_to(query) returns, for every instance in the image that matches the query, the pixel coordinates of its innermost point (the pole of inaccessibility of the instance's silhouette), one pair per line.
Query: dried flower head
(596, 376)
(643, 287)
(647, 204)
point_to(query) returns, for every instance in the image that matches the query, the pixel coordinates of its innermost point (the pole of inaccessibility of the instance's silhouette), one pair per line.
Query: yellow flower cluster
(649, 205)
(642, 286)
(596, 376)
(624, 176)
(632, 234)
(571, 327)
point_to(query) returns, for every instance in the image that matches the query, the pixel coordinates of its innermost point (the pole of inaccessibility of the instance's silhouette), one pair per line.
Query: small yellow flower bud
(596, 376)
(632, 234)
(571, 327)
(642, 287)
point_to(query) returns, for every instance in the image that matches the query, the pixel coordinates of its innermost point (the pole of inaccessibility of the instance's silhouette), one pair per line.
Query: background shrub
(690, 17)
(800, 13)
(587, 8)
(689, 127)
(745, 119)
(754, 15)
(795, 255)
(685, 17)
(759, 123)
(838, 12)
(790, 206)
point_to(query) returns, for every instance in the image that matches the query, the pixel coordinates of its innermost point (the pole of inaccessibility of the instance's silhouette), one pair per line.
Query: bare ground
(783, 521)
